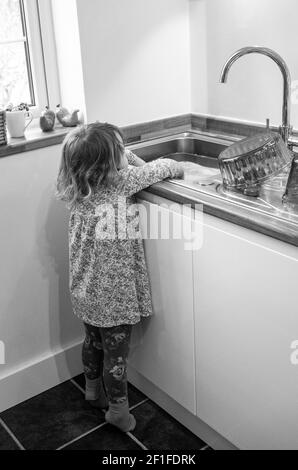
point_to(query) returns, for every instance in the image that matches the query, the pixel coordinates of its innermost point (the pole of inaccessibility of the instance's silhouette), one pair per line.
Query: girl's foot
(118, 415)
(95, 393)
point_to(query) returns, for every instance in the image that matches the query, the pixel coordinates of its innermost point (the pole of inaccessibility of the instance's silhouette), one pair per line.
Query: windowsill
(34, 139)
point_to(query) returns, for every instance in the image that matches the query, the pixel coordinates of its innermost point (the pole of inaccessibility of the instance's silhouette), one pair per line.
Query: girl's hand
(180, 171)
(177, 171)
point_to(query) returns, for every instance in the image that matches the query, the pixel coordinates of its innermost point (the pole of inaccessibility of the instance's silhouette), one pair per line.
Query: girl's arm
(133, 159)
(138, 178)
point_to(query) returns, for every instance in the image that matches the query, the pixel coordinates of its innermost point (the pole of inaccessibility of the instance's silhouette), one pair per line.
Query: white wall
(68, 47)
(138, 60)
(135, 58)
(36, 319)
(198, 55)
(254, 88)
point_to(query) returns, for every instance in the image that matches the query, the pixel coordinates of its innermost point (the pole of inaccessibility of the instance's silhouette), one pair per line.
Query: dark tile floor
(6, 441)
(60, 418)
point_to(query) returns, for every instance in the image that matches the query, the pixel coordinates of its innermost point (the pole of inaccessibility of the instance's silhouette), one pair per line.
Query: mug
(16, 122)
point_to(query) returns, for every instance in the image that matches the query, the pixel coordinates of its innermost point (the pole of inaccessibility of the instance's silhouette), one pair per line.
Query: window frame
(27, 52)
(41, 57)
(48, 44)
(41, 38)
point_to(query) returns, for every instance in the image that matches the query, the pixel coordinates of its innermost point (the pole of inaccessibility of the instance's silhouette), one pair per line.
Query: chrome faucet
(285, 129)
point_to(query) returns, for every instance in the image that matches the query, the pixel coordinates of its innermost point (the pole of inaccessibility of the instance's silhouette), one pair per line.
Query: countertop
(279, 224)
(266, 224)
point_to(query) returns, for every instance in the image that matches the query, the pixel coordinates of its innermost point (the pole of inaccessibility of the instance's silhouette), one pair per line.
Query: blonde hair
(91, 155)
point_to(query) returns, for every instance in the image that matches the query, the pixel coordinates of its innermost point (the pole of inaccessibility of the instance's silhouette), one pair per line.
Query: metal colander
(247, 163)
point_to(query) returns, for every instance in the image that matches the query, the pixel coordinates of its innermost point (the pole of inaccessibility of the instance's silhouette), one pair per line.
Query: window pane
(14, 83)
(10, 20)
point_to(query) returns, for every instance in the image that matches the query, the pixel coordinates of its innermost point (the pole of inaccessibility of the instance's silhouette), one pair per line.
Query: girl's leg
(92, 357)
(115, 342)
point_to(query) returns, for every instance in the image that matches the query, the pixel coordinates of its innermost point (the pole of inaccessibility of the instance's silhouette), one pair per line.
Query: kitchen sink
(192, 147)
(198, 154)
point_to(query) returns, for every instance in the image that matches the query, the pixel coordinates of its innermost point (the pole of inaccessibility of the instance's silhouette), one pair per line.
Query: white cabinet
(163, 346)
(246, 317)
(225, 318)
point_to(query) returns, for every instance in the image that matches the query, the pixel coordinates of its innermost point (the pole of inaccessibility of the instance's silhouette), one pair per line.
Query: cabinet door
(163, 345)
(246, 318)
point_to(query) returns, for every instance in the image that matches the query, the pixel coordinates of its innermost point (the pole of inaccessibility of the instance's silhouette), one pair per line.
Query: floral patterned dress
(109, 283)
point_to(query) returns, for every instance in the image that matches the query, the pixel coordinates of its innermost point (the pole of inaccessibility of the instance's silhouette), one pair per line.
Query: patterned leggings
(105, 352)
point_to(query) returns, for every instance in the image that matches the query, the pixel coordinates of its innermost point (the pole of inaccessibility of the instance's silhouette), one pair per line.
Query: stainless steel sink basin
(191, 147)
(197, 152)
(203, 160)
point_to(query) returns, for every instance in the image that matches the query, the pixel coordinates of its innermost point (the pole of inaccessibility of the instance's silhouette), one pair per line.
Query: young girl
(109, 284)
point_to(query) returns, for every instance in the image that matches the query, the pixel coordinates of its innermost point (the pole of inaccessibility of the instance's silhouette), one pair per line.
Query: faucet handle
(267, 124)
(290, 196)
(285, 132)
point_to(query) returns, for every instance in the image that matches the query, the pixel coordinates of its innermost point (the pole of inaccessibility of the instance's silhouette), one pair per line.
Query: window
(28, 71)
(16, 83)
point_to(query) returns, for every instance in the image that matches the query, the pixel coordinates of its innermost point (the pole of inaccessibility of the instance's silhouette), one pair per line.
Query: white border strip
(205, 447)
(81, 436)
(136, 440)
(138, 404)
(78, 386)
(11, 435)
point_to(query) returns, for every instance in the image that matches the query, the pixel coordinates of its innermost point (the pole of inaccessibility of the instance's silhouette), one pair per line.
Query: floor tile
(80, 380)
(6, 442)
(105, 438)
(52, 418)
(134, 395)
(159, 431)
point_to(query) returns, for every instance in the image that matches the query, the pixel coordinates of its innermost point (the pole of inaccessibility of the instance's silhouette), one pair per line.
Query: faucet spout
(285, 129)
